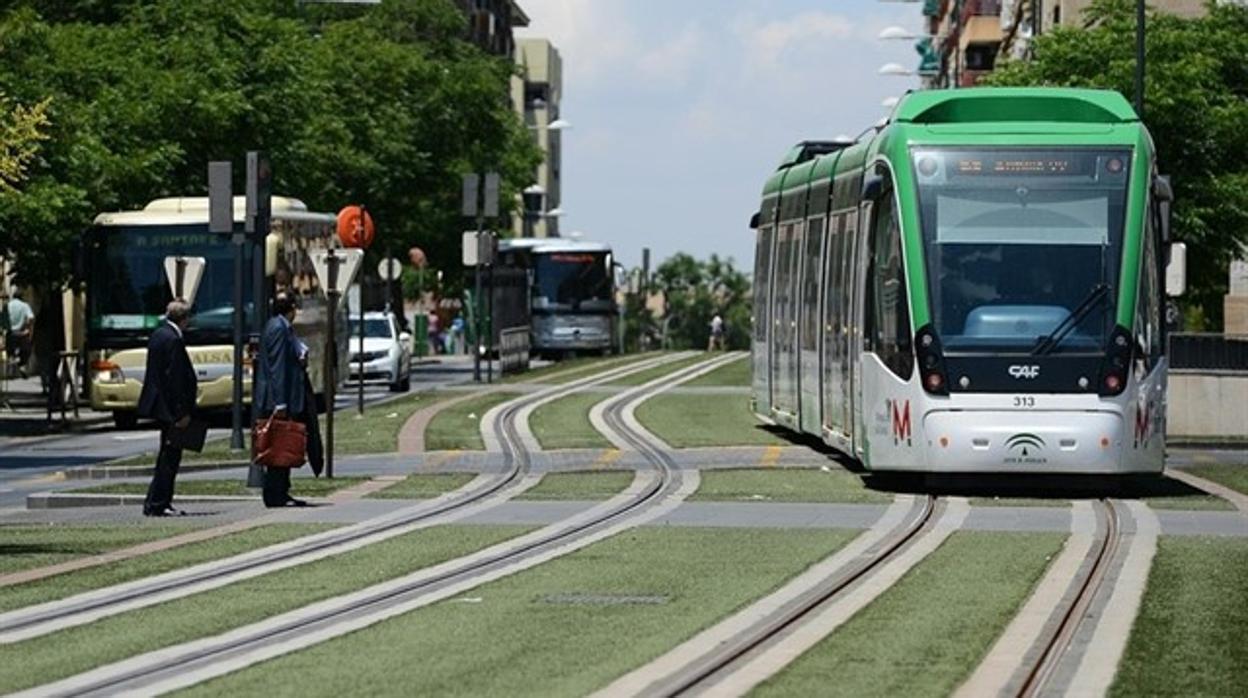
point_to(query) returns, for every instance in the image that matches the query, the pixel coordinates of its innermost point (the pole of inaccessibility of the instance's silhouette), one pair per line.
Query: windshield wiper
(1049, 342)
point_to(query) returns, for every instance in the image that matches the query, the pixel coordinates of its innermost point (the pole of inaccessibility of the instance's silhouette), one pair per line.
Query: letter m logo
(901, 422)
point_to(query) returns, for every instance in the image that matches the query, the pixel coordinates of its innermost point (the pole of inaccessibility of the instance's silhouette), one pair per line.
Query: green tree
(1196, 107)
(386, 106)
(694, 292)
(21, 129)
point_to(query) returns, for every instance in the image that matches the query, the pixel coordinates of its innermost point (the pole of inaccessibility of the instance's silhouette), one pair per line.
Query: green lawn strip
(299, 486)
(735, 374)
(27, 546)
(925, 635)
(690, 421)
(68, 652)
(1188, 638)
(1168, 493)
(376, 432)
(424, 486)
(564, 423)
(786, 485)
(649, 374)
(1232, 475)
(580, 486)
(569, 370)
(458, 427)
(603, 365)
(70, 583)
(532, 632)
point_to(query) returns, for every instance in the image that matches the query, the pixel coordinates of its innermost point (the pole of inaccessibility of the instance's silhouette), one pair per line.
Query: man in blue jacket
(168, 396)
(280, 388)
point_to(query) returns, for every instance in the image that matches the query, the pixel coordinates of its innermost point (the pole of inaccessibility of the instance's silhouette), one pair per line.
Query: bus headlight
(106, 372)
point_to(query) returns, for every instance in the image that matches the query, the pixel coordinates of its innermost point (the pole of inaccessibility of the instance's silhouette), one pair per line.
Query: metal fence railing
(1208, 352)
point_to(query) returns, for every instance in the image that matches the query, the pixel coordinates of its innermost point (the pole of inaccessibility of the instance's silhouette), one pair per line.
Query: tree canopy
(21, 129)
(1195, 106)
(694, 292)
(384, 106)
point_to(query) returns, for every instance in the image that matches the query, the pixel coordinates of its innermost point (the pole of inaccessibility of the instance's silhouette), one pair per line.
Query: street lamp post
(1139, 58)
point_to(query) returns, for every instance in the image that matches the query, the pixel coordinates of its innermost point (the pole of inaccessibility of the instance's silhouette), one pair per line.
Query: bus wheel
(125, 420)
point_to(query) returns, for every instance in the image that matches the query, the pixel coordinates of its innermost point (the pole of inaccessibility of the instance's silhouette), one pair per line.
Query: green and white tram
(976, 287)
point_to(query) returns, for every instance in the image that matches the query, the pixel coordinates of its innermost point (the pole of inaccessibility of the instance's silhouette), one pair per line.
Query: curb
(67, 500)
(110, 472)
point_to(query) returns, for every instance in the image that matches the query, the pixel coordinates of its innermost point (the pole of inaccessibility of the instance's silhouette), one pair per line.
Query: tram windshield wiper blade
(1049, 342)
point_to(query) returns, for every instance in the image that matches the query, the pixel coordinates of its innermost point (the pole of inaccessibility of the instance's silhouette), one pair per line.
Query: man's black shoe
(164, 511)
(290, 502)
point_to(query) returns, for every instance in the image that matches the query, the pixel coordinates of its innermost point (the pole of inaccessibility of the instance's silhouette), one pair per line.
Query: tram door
(808, 328)
(761, 346)
(859, 256)
(834, 327)
(784, 323)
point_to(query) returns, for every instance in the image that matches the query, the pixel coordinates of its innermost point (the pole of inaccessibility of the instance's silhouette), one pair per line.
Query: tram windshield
(1020, 242)
(577, 280)
(128, 289)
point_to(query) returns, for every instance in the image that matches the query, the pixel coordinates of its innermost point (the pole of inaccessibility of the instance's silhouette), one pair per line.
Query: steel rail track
(175, 667)
(705, 670)
(26, 623)
(1056, 644)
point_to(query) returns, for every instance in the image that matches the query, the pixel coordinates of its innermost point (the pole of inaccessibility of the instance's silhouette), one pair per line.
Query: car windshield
(1016, 241)
(572, 279)
(128, 289)
(378, 328)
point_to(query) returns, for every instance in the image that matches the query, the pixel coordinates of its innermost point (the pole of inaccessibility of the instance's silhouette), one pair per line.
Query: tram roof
(185, 210)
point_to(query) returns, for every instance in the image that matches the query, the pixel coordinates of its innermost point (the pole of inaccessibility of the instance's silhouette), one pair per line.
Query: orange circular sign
(355, 227)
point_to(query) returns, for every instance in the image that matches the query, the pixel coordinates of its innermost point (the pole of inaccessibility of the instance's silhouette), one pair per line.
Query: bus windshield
(1016, 241)
(579, 280)
(128, 290)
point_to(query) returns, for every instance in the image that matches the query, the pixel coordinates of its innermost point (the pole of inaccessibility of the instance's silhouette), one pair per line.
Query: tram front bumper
(1028, 442)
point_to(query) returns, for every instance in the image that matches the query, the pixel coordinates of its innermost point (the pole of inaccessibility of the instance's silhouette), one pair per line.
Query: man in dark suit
(280, 388)
(168, 396)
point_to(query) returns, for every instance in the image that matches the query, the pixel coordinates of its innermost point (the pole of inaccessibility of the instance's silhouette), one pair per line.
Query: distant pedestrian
(435, 333)
(281, 389)
(21, 334)
(168, 396)
(457, 334)
(717, 334)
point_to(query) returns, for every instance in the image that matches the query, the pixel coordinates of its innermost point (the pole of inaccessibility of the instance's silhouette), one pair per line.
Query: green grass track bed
(735, 374)
(691, 421)
(786, 485)
(1188, 638)
(27, 546)
(564, 423)
(61, 654)
(925, 635)
(1232, 475)
(649, 374)
(552, 630)
(424, 486)
(580, 486)
(458, 427)
(63, 585)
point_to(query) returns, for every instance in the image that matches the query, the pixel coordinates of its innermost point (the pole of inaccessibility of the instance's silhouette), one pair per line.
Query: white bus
(127, 292)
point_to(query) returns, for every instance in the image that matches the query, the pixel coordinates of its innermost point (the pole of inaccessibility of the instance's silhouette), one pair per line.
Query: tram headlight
(931, 361)
(1114, 367)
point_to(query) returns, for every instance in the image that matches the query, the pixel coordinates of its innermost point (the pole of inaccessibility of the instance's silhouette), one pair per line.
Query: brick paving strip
(412, 435)
(197, 536)
(1240, 501)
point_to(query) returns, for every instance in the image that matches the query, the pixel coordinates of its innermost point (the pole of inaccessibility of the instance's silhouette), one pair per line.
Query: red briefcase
(279, 443)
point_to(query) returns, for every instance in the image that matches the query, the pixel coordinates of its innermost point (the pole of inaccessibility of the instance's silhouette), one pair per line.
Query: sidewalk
(24, 412)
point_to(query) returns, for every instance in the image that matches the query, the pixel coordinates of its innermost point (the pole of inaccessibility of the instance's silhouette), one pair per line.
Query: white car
(387, 352)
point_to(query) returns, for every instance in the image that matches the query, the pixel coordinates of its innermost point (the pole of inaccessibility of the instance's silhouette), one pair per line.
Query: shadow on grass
(816, 445)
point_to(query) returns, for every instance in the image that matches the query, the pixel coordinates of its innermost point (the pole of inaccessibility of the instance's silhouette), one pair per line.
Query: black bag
(191, 438)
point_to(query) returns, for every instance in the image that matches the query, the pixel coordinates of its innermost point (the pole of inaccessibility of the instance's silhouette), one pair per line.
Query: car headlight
(107, 372)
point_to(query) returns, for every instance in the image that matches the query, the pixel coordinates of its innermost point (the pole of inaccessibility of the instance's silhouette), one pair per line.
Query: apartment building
(537, 94)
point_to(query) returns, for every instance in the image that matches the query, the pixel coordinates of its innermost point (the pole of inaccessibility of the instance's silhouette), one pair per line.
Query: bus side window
(888, 309)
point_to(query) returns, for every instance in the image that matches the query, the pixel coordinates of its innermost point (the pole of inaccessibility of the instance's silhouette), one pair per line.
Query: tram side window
(810, 285)
(888, 308)
(762, 283)
(1148, 319)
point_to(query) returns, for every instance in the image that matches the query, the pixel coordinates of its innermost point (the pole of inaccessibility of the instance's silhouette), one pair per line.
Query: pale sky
(682, 108)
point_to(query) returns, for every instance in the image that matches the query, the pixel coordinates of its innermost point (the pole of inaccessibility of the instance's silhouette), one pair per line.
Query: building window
(981, 56)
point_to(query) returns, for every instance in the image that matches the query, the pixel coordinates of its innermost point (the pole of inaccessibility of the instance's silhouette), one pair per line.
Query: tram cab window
(888, 309)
